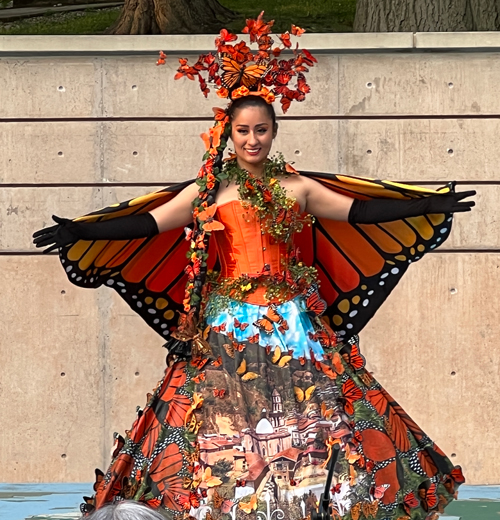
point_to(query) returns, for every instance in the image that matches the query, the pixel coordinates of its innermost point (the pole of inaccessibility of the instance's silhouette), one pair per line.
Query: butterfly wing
(147, 273)
(252, 74)
(360, 264)
(232, 71)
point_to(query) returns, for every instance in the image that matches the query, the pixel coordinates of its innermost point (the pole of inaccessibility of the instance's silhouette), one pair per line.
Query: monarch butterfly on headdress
(236, 75)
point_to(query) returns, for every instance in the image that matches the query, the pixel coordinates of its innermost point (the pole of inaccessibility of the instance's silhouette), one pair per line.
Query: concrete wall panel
(50, 87)
(51, 374)
(420, 149)
(40, 153)
(428, 84)
(433, 346)
(24, 210)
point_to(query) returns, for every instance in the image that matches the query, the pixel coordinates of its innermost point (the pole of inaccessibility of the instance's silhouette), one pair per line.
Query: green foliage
(90, 21)
(220, 468)
(312, 15)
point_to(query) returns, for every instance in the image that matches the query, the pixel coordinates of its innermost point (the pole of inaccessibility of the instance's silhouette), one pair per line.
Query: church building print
(284, 453)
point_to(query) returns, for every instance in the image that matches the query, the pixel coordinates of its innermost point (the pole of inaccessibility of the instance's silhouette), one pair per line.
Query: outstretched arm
(177, 212)
(171, 215)
(322, 202)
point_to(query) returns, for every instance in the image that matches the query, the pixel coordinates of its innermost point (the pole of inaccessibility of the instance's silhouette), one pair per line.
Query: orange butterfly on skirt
(220, 393)
(272, 316)
(219, 328)
(314, 303)
(322, 337)
(350, 394)
(428, 497)
(248, 507)
(199, 362)
(239, 325)
(217, 362)
(221, 502)
(199, 378)
(354, 358)
(188, 501)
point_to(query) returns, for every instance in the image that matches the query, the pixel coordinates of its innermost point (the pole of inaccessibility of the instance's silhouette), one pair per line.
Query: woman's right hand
(62, 234)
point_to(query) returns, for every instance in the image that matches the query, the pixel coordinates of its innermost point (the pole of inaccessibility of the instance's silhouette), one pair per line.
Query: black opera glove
(122, 228)
(375, 211)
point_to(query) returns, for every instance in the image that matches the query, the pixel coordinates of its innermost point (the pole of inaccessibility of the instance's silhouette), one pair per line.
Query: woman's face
(252, 134)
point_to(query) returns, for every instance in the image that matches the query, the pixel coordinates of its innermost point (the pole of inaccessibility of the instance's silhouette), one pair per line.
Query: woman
(264, 372)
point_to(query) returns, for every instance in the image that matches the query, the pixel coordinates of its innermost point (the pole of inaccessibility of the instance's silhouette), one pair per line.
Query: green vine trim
(280, 287)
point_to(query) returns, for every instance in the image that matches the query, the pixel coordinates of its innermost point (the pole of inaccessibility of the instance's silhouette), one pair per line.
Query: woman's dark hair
(252, 101)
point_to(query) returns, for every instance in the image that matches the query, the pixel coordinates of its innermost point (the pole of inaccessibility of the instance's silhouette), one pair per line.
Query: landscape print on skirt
(247, 427)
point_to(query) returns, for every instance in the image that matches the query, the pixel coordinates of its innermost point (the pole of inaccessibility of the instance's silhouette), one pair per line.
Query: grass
(90, 21)
(312, 15)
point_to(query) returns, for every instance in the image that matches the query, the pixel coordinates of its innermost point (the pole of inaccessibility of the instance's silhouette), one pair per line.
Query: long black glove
(386, 210)
(122, 228)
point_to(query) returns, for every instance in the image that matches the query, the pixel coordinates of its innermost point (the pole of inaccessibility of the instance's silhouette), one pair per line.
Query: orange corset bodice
(244, 249)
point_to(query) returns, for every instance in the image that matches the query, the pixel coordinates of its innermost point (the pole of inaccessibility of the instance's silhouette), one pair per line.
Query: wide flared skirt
(245, 429)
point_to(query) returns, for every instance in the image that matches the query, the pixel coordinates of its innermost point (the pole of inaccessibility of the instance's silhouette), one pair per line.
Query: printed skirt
(246, 429)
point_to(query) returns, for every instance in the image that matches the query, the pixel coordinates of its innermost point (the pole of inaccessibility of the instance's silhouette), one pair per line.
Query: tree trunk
(427, 15)
(171, 17)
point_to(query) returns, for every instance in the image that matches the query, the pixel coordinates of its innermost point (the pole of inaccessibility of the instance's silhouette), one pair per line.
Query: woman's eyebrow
(259, 124)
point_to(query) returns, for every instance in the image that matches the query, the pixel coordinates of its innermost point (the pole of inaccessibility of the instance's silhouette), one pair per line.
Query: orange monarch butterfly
(239, 325)
(354, 358)
(428, 497)
(410, 501)
(350, 394)
(314, 303)
(199, 378)
(235, 75)
(322, 337)
(220, 393)
(219, 328)
(221, 502)
(189, 501)
(217, 362)
(272, 316)
(198, 362)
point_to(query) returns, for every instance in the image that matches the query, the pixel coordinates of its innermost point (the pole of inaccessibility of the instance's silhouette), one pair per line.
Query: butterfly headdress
(235, 72)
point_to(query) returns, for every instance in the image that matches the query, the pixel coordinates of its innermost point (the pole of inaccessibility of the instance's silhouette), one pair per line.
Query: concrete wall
(88, 121)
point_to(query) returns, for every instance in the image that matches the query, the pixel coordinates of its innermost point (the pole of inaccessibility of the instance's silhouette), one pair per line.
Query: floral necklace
(275, 209)
(278, 217)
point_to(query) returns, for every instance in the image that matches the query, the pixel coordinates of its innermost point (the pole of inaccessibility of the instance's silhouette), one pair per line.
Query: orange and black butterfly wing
(147, 273)
(360, 264)
(232, 74)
